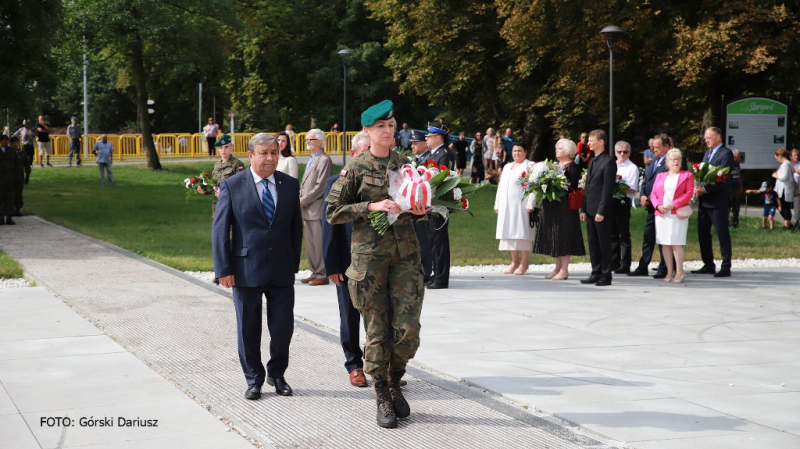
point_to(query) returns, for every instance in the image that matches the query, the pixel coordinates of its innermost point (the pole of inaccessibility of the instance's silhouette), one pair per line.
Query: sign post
(757, 127)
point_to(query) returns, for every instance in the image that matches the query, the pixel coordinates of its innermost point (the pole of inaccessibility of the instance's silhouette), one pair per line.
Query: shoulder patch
(343, 172)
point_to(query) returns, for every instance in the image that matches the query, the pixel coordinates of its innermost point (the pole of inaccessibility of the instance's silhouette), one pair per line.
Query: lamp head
(345, 52)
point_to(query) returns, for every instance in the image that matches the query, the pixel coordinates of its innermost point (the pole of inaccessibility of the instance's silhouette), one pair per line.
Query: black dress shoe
(253, 392)
(281, 387)
(660, 275)
(723, 273)
(9, 221)
(622, 270)
(435, 286)
(638, 272)
(590, 280)
(705, 270)
(603, 282)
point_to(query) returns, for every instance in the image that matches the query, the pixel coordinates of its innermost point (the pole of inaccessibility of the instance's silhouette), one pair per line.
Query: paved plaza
(505, 361)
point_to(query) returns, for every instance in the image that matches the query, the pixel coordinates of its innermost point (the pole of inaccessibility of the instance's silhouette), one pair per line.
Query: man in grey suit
(255, 238)
(312, 189)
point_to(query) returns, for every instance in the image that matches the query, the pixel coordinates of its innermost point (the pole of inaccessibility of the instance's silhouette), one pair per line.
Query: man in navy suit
(596, 211)
(256, 238)
(336, 255)
(713, 207)
(661, 144)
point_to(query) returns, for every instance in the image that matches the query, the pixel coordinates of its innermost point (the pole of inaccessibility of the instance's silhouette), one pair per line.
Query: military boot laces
(386, 417)
(401, 408)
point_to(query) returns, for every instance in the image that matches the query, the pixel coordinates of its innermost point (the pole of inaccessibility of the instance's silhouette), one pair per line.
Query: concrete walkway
(174, 359)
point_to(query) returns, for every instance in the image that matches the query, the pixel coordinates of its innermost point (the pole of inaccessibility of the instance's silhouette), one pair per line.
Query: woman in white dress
(489, 157)
(286, 162)
(512, 209)
(672, 190)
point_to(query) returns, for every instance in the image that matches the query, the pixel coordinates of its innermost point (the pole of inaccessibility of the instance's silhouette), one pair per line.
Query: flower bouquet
(428, 185)
(547, 181)
(204, 181)
(707, 174)
(620, 188)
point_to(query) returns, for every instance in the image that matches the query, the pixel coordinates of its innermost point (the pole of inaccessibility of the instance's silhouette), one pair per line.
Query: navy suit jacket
(335, 239)
(443, 156)
(650, 173)
(248, 247)
(600, 184)
(716, 196)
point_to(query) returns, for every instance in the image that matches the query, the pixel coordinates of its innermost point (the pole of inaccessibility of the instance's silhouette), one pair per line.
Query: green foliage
(9, 267)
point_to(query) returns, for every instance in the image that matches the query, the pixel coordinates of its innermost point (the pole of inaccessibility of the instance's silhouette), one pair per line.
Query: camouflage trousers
(371, 277)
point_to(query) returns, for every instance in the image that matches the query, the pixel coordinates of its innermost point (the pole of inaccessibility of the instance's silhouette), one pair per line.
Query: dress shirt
(260, 186)
(630, 174)
(104, 152)
(313, 156)
(713, 152)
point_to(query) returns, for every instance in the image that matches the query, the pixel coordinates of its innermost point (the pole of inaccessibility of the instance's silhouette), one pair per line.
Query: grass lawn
(147, 213)
(9, 267)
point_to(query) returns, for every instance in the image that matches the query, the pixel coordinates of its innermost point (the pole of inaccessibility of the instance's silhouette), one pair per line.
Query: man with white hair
(621, 230)
(312, 187)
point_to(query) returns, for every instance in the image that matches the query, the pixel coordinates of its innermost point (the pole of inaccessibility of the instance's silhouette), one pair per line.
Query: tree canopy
(537, 66)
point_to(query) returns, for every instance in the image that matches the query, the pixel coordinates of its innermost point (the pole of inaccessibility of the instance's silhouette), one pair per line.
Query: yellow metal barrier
(182, 145)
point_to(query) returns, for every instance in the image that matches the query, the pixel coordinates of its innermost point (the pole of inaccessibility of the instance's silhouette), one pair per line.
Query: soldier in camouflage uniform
(224, 168)
(9, 167)
(381, 264)
(23, 175)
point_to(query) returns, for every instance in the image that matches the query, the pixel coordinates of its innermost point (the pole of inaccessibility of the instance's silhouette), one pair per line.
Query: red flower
(442, 168)
(464, 204)
(206, 174)
(719, 179)
(696, 166)
(725, 177)
(430, 163)
(524, 175)
(619, 176)
(193, 181)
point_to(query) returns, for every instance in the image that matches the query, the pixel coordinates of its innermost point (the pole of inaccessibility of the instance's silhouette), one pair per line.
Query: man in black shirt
(45, 146)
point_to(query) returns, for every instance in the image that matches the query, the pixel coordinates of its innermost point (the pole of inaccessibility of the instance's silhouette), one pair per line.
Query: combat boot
(386, 417)
(9, 220)
(401, 408)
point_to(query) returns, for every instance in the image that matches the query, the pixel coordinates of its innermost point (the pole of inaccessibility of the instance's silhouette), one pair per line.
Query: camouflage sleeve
(342, 205)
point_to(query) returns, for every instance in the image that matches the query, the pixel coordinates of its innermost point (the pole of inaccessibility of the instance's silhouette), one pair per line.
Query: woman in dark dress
(477, 159)
(460, 147)
(560, 234)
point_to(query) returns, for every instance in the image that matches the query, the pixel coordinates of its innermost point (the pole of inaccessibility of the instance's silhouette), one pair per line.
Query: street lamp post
(346, 52)
(609, 32)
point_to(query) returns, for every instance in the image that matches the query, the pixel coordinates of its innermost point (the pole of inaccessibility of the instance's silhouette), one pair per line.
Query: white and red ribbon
(416, 188)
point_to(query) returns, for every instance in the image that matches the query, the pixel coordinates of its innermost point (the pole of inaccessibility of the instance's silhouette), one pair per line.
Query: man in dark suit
(713, 208)
(661, 145)
(312, 186)
(256, 238)
(421, 227)
(596, 211)
(336, 254)
(439, 234)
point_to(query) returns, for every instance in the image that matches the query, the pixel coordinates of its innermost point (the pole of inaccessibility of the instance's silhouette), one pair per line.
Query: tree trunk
(141, 99)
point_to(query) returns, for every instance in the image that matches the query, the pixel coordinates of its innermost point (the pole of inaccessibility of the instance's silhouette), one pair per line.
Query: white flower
(719, 173)
(544, 188)
(457, 194)
(187, 181)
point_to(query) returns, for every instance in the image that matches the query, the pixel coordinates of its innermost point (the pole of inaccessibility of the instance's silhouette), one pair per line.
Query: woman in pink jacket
(672, 190)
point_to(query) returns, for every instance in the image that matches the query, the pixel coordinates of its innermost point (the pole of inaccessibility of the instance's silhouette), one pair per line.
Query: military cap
(4, 137)
(417, 136)
(223, 140)
(381, 111)
(436, 128)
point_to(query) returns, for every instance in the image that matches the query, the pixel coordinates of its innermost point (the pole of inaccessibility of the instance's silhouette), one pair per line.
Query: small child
(770, 203)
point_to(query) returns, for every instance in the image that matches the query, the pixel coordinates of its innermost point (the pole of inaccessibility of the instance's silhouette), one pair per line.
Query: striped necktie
(268, 202)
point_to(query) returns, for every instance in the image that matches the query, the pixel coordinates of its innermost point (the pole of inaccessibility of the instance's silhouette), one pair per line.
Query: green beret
(381, 111)
(223, 140)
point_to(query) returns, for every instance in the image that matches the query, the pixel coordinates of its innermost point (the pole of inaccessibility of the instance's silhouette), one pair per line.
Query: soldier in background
(226, 167)
(23, 175)
(381, 264)
(9, 166)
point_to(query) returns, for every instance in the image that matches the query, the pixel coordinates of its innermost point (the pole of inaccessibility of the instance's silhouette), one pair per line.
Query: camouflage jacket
(224, 170)
(365, 180)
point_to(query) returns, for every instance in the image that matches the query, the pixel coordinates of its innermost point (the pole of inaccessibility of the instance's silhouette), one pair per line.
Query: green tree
(151, 41)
